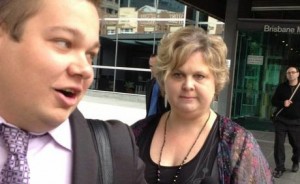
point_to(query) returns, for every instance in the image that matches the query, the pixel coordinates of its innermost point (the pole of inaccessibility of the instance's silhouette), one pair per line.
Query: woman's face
(191, 88)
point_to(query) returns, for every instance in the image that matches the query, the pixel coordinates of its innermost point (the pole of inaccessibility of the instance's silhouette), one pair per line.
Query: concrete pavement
(266, 142)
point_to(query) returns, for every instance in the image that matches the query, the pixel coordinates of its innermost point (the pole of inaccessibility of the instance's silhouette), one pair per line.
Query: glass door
(261, 60)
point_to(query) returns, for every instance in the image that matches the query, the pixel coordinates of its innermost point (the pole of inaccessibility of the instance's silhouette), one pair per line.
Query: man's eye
(91, 57)
(64, 43)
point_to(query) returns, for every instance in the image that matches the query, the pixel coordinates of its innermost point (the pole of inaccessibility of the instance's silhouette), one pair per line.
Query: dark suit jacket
(160, 103)
(85, 159)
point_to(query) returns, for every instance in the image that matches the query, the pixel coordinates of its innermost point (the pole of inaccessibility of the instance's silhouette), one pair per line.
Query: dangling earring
(166, 101)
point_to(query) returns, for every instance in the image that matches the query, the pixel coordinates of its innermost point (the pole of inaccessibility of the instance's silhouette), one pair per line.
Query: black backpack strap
(102, 144)
(118, 153)
(123, 152)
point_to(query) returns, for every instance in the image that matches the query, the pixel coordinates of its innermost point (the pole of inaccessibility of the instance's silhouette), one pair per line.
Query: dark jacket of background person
(287, 122)
(282, 93)
(160, 101)
(85, 157)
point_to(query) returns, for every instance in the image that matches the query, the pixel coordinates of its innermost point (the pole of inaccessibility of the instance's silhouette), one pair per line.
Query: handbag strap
(289, 99)
(294, 91)
(102, 144)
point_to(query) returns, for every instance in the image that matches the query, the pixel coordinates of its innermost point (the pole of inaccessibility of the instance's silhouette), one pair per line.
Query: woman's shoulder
(238, 145)
(144, 124)
(229, 125)
(229, 130)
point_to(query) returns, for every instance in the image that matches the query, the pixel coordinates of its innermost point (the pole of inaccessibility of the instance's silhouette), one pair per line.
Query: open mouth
(68, 93)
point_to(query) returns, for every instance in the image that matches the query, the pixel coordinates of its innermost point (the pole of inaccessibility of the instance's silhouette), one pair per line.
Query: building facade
(263, 38)
(130, 33)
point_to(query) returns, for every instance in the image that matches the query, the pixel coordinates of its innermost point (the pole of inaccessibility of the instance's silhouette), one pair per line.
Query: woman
(191, 143)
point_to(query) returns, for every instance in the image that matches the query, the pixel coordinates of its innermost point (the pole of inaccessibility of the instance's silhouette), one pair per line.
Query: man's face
(152, 63)
(45, 75)
(292, 74)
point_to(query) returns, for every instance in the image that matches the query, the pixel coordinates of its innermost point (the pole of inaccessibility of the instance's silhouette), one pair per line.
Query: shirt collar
(61, 134)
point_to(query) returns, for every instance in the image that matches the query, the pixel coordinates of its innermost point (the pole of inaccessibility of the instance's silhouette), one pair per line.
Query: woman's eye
(199, 77)
(177, 75)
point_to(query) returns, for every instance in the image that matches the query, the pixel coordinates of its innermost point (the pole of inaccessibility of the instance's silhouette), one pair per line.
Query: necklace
(185, 158)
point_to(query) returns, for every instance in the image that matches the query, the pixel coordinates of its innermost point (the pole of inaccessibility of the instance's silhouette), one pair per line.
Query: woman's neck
(185, 122)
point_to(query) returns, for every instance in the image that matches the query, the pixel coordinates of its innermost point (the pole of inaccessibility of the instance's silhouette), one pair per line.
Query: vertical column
(230, 36)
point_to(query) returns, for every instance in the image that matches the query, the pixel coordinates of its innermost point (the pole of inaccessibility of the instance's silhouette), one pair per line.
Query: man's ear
(2, 31)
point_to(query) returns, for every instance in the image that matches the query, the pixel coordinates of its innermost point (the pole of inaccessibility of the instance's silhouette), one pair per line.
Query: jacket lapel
(85, 160)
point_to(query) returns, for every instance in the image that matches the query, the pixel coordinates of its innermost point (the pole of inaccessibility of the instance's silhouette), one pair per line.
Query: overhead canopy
(260, 9)
(214, 8)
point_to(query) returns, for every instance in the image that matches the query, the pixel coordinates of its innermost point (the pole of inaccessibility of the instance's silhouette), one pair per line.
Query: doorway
(261, 60)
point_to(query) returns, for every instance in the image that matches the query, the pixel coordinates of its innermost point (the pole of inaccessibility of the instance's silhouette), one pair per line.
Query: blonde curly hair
(175, 49)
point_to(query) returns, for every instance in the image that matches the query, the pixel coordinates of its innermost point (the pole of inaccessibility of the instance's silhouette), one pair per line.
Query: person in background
(287, 121)
(46, 52)
(155, 102)
(191, 143)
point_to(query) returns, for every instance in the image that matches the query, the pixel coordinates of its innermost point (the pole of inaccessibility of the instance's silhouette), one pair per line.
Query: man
(287, 121)
(155, 103)
(46, 51)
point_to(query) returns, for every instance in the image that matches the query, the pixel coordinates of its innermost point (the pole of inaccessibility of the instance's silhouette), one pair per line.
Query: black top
(193, 171)
(283, 92)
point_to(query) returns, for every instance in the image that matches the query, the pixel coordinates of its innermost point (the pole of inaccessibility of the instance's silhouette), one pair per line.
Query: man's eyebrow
(72, 31)
(75, 32)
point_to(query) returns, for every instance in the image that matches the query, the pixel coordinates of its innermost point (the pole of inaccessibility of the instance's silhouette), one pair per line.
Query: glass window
(261, 60)
(130, 33)
(103, 79)
(131, 81)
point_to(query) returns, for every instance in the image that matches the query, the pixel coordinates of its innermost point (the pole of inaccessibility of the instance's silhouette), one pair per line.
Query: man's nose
(81, 67)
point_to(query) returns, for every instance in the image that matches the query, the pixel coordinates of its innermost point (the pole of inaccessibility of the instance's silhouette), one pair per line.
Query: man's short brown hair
(15, 13)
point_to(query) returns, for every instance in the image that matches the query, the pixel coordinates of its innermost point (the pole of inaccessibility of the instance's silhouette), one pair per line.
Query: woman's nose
(188, 84)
